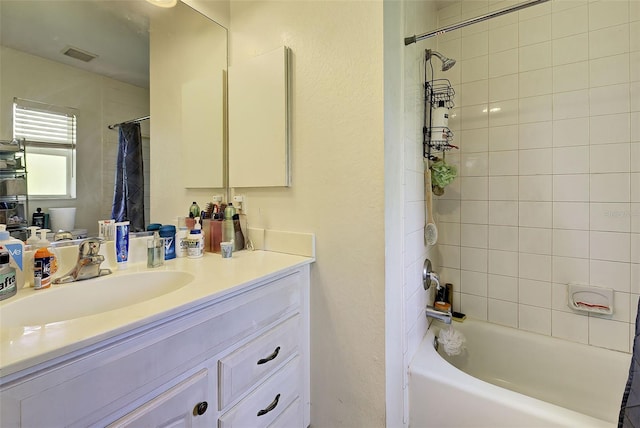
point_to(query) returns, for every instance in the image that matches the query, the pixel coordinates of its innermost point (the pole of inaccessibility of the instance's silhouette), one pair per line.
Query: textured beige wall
(337, 191)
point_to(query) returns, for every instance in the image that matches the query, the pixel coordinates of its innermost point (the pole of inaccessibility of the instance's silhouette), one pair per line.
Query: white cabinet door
(185, 405)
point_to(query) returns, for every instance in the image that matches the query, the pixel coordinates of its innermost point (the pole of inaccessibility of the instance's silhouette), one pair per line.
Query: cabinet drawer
(263, 406)
(291, 417)
(255, 360)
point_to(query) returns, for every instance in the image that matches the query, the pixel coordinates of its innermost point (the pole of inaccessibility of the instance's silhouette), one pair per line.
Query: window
(50, 135)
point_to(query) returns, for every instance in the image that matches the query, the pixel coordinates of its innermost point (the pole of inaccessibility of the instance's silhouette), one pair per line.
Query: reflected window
(50, 144)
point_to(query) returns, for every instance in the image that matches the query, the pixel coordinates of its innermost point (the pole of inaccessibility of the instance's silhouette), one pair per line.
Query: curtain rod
(140, 119)
(500, 12)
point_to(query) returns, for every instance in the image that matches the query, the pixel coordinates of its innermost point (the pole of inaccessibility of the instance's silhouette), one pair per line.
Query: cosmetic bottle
(238, 237)
(155, 251)
(440, 116)
(8, 285)
(194, 210)
(168, 232)
(37, 219)
(15, 247)
(44, 265)
(228, 231)
(440, 123)
(195, 242)
(181, 241)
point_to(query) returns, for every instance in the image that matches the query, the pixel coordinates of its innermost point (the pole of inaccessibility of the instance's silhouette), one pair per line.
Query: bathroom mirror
(112, 88)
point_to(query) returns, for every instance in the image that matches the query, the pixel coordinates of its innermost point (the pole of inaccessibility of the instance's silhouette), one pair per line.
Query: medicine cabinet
(259, 121)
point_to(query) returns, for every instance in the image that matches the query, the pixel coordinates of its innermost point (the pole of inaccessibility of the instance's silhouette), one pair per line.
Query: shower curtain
(630, 408)
(128, 192)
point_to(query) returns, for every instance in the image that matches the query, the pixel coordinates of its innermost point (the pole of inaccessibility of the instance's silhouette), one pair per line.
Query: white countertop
(214, 278)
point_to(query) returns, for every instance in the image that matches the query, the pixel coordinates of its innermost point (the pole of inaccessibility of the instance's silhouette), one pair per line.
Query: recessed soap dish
(588, 298)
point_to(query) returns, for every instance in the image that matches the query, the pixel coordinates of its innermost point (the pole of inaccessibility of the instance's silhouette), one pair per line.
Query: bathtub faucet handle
(429, 276)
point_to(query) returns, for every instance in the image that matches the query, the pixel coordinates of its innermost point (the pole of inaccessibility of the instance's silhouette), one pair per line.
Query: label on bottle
(7, 284)
(15, 251)
(41, 272)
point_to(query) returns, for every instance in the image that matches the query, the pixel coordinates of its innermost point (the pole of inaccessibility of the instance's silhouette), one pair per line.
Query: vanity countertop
(214, 279)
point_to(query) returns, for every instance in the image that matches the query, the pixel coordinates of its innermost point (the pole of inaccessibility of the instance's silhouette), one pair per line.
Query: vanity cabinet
(237, 361)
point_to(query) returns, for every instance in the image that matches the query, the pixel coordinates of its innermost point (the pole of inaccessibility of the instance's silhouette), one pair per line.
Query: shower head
(447, 63)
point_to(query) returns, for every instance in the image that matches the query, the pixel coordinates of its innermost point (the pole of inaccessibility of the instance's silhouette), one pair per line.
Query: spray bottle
(15, 247)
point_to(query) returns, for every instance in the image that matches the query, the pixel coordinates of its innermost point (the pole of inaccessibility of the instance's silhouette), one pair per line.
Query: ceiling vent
(78, 54)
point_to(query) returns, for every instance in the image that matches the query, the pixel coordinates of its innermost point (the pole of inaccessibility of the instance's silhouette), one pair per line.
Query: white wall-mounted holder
(587, 298)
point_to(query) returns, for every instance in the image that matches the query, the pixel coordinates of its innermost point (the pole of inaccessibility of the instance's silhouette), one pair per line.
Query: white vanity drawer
(248, 364)
(268, 401)
(291, 417)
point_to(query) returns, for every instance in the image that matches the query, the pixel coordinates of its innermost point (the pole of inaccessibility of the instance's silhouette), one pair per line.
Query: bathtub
(513, 378)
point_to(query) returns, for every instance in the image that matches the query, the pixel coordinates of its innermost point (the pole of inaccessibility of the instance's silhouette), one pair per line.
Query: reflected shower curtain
(128, 192)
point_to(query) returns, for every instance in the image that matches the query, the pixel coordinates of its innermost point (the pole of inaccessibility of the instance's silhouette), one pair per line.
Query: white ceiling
(115, 30)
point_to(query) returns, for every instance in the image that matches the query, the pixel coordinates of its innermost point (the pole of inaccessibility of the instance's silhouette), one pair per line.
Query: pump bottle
(44, 263)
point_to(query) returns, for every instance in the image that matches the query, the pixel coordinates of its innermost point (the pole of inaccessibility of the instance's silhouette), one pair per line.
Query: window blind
(44, 126)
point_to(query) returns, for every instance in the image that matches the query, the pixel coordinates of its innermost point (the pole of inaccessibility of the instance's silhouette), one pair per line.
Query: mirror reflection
(89, 60)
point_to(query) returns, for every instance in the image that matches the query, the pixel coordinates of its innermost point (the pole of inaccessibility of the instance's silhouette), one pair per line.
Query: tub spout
(445, 317)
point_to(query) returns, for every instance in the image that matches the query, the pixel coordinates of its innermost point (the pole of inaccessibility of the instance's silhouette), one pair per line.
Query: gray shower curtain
(630, 407)
(128, 192)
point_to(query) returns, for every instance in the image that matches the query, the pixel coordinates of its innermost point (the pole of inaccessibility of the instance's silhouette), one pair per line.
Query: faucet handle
(89, 247)
(428, 275)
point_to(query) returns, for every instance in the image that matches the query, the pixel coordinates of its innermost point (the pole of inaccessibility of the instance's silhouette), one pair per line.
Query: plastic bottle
(194, 209)
(440, 116)
(32, 242)
(155, 251)
(8, 286)
(43, 263)
(195, 242)
(228, 232)
(168, 232)
(181, 241)
(37, 219)
(33, 235)
(238, 239)
(15, 247)
(440, 123)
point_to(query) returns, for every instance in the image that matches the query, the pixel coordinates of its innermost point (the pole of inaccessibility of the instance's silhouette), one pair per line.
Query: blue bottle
(168, 232)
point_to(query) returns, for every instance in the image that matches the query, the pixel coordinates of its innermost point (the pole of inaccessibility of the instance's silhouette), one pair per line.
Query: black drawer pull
(270, 357)
(270, 407)
(200, 408)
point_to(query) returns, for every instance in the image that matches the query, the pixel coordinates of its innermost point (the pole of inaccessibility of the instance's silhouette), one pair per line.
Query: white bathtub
(511, 378)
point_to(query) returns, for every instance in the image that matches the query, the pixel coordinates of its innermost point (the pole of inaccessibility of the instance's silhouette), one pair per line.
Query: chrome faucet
(445, 317)
(88, 265)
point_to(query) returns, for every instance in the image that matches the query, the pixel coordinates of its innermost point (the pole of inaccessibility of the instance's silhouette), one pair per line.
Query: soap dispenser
(32, 246)
(33, 235)
(155, 251)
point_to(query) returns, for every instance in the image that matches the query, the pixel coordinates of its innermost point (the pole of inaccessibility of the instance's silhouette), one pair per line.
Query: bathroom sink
(89, 297)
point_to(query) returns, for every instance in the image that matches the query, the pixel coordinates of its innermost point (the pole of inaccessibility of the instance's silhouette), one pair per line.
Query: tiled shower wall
(547, 118)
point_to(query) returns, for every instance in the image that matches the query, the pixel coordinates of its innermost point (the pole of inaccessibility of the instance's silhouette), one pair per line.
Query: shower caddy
(435, 92)
(13, 187)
